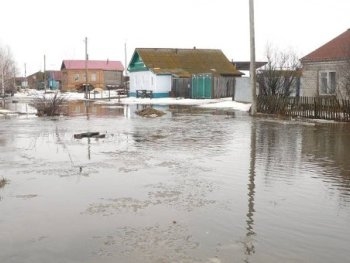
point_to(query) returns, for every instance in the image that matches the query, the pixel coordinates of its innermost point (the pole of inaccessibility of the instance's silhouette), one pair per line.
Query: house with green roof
(326, 70)
(189, 73)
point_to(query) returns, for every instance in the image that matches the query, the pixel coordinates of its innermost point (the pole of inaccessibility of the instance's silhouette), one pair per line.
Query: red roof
(336, 49)
(92, 64)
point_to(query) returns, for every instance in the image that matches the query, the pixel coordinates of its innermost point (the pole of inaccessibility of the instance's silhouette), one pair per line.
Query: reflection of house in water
(278, 144)
(289, 145)
(333, 151)
(93, 109)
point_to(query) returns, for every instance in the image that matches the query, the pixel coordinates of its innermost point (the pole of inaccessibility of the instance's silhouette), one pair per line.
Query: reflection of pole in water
(89, 148)
(126, 111)
(87, 109)
(249, 245)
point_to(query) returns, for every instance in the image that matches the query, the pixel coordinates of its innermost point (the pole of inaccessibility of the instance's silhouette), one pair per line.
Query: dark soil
(150, 112)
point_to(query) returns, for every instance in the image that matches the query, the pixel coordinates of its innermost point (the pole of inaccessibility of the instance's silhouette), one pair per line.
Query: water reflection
(312, 145)
(194, 186)
(21, 107)
(249, 245)
(332, 153)
(88, 109)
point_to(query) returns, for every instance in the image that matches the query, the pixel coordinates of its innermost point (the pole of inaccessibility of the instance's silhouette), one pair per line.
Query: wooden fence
(328, 108)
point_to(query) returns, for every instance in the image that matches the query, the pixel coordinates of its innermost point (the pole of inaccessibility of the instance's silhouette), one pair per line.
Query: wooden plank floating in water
(89, 135)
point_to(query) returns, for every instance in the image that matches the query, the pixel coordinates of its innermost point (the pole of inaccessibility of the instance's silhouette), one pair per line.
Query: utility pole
(14, 79)
(25, 76)
(252, 58)
(45, 73)
(86, 71)
(125, 57)
(2, 79)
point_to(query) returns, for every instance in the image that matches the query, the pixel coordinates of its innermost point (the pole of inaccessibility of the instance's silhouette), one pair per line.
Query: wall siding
(113, 78)
(103, 78)
(309, 83)
(223, 87)
(159, 84)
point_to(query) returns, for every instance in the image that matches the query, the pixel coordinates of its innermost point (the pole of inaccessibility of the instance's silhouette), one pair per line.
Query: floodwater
(190, 186)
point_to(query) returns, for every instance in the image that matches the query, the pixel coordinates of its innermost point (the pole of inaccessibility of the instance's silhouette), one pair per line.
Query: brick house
(326, 70)
(101, 74)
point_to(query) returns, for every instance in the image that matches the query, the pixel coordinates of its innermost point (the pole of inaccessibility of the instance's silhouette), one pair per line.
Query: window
(76, 77)
(327, 82)
(93, 76)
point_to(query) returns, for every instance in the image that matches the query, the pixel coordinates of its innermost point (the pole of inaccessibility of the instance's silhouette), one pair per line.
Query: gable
(182, 62)
(335, 50)
(136, 63)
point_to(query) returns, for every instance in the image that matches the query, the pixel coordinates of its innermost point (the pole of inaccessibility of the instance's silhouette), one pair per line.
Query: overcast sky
(57, 28)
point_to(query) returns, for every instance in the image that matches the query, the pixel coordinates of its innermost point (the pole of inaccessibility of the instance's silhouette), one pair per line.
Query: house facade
(50, 79)
(326, 70)
(100, 74)
(189, 73)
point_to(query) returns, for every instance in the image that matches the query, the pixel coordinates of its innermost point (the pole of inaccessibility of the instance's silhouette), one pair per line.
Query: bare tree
(7, 71)
(346, 80)
(48, 105)
(279, 76)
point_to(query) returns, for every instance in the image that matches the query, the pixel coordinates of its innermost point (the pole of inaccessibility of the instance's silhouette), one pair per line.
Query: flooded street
(190, 186)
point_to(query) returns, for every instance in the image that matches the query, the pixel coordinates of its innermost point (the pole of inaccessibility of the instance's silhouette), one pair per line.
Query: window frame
(328, 78)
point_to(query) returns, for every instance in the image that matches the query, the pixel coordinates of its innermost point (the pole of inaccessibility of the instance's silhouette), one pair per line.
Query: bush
(3, 181)
(49, 106)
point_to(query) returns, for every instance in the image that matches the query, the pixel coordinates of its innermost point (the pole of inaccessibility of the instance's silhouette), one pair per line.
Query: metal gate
(202, 86)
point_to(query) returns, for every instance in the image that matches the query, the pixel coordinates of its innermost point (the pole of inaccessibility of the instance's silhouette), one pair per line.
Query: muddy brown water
(190, 186)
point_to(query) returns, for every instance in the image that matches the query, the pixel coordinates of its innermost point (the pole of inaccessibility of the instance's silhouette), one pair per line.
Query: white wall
(163, 84)
(149, 81)
(243, 91)
(141, 80)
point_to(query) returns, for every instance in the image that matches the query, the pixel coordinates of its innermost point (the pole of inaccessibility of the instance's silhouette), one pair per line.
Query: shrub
(49, 105)
(3, 181)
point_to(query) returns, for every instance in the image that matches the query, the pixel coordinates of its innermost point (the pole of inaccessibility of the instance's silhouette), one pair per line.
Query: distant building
(50, 80)
(189, 73)
(20, 83)
(54, 79)
(101, 74)
(244, 66)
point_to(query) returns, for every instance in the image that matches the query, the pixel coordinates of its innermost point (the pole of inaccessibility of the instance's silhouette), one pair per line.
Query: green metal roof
(184, 62)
